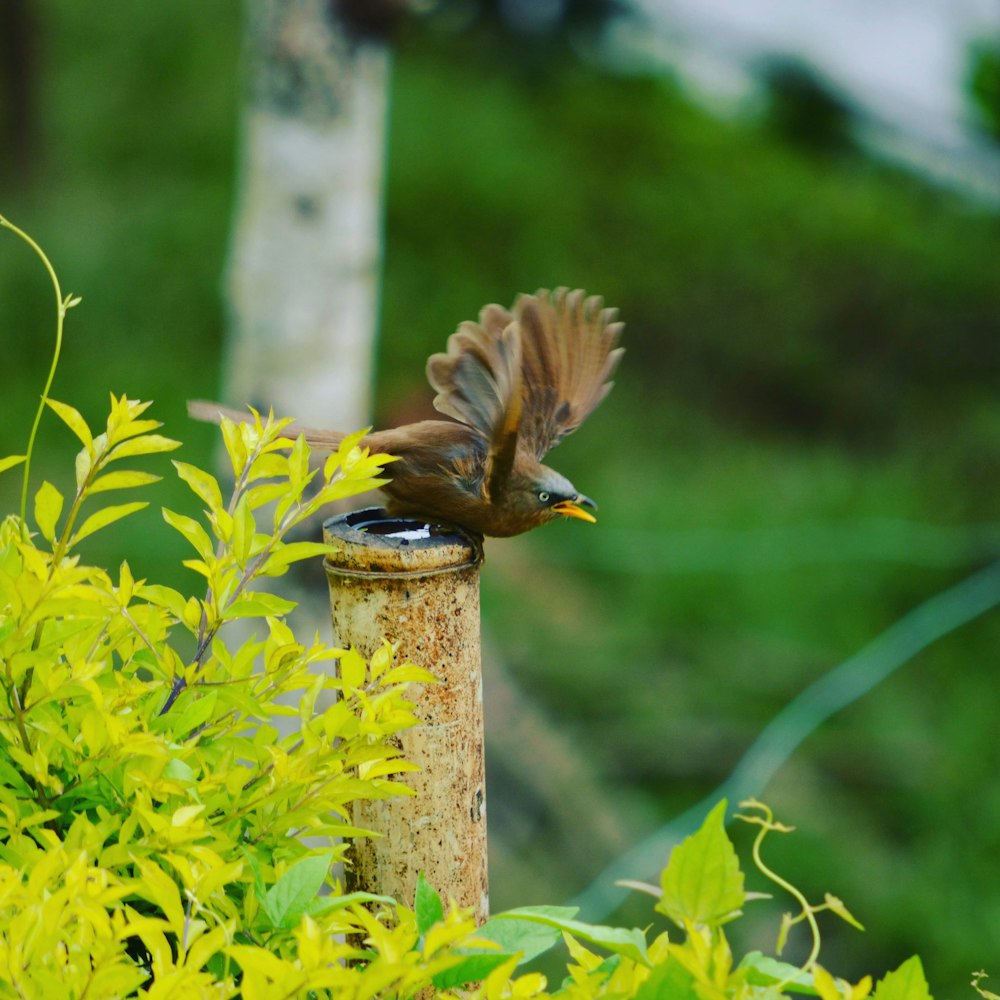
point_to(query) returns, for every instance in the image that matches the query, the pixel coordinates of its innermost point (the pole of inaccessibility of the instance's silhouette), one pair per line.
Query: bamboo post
(418, 587)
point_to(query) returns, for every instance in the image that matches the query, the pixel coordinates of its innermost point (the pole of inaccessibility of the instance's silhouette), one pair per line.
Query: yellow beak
(570, 509)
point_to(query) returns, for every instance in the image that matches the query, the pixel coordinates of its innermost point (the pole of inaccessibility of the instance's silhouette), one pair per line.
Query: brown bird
(517, 382)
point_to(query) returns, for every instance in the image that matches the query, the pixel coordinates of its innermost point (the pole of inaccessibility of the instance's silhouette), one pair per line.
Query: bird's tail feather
(212, 413)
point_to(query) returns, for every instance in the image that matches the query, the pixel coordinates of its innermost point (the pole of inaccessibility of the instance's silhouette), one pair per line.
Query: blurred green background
(803, 443)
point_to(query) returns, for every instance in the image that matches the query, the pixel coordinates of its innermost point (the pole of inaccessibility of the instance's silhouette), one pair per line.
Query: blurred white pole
(302, 278)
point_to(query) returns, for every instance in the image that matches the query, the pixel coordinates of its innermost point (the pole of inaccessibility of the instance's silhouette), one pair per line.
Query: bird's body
(516, 383)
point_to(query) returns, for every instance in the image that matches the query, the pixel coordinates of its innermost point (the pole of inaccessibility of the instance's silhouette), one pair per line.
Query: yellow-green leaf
(235, 445)
(298, 461)
(257, 496)
(84, 463)
(122, 481)
(279, 561)
(243, 531)
(73, 420)
(131, 428)
(259, 605)
(825, 985)
(784, 928)
(408, 673)
(204, 484)
(702, 883)
(381, 659)
(192, 531)
(102, 518)
(185, 814)
(269, 466)
(905, 983)
(191, 615)
(9, 461)
(48, 507)
(199, 566)
(161, 890)
(126, 584)
(163, 597)
(836, 905)
(146, 444)
(350, 442)
(352, 668)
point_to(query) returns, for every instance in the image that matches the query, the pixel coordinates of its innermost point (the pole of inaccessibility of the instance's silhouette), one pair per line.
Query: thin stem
(138, 631)
(807, 910)
(61, 308)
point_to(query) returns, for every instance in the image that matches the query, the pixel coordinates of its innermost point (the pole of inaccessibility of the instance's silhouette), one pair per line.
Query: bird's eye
(543, 496)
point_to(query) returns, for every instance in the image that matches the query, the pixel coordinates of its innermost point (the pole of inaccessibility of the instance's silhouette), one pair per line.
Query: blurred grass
(812, 366)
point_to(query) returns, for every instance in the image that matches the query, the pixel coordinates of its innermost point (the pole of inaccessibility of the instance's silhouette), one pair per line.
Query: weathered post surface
(418, 587)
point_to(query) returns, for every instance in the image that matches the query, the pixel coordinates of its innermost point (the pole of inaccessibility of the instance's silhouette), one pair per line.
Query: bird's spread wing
(478, 381)
(529, 378)
(568, 356)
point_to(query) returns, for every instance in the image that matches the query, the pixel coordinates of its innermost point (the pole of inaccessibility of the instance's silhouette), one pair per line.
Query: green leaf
(327, 904)
(427, 905)
(762, 970)
(48, 507)
(258, 876)
(702, 883)
(72, 419)
(629, 942)
(526, 936)
(476, 966)
(181, 771)
(905, 983)
(669, 981)
(102, 518)
(259, 605)
(195, 712)
(9, 461)
(146, 444)
(204, 484)
(122, 481)
(289, 898)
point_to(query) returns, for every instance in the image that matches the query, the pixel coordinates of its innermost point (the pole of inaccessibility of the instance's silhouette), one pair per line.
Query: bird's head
(550, 495)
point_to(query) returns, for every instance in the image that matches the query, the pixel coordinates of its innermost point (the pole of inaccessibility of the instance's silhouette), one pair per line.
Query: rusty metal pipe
(418, 587)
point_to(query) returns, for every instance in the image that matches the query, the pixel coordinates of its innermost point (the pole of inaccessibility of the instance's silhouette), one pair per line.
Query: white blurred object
(901, 64)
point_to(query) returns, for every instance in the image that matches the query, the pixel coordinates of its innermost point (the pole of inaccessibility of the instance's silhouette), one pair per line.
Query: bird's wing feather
(568, 356)
(478, 381)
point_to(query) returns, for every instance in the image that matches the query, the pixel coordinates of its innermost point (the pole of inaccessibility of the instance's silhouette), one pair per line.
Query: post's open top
(371, 541)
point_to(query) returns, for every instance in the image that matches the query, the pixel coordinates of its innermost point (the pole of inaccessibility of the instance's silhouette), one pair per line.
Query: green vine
(764, 818)
(63, 305)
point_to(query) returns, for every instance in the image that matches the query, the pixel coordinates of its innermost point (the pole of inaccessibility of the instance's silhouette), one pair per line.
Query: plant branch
(62, 305)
